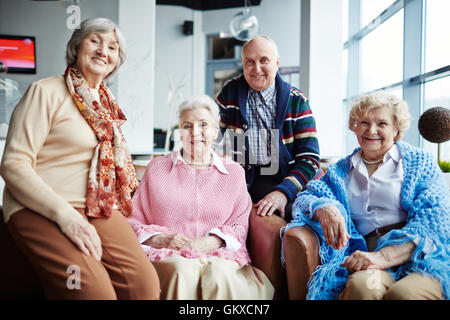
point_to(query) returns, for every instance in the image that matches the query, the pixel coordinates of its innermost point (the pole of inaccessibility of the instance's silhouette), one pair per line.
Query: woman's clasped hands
(361, 260)
(179, 241)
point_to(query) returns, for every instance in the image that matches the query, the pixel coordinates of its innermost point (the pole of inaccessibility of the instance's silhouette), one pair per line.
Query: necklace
(194, 163)
(371, 162)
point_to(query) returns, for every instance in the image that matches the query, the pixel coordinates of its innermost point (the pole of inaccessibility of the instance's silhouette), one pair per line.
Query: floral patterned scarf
(112, 177)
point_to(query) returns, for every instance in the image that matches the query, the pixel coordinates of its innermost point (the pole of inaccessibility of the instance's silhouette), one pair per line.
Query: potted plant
(445, 167)
(434, 125)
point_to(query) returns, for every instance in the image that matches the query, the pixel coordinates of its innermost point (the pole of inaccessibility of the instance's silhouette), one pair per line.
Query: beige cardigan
(47, 155)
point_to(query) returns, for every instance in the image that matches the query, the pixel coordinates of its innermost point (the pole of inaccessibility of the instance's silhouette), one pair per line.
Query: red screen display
(18, 53)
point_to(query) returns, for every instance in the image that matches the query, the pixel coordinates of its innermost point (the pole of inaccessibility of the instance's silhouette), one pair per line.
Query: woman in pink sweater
(191, 216)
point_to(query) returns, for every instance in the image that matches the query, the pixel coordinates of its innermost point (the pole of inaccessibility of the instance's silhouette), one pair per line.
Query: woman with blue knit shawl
(381, 214)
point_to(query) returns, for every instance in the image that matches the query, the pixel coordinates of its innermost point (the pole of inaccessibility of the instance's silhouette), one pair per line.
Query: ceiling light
(244, 25)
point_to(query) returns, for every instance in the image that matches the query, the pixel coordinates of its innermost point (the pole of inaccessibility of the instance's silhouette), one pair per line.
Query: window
(437, 44)
(437, 94)
(345, 67)
(381, 55)
(224, 48)
(223, 64)
(371, 9)
(401, 47)
(345, 21)
(396, 91)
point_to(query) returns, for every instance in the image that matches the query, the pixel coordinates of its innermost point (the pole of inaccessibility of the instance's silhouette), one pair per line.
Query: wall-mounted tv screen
(18, 53)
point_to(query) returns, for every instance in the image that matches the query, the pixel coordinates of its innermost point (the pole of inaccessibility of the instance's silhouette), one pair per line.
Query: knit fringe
(423, 195)
(327, 282)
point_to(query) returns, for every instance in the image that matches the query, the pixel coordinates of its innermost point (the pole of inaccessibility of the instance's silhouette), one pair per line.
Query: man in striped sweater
(271, 130)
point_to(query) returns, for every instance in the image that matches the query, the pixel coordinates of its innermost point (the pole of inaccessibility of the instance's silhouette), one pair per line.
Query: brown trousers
(124, 271)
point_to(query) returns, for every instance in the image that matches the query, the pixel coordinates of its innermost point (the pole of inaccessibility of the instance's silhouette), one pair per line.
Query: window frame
(414, 76)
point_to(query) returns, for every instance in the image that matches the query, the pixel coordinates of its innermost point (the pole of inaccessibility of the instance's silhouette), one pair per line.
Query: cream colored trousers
(211, 279)
(379, 285)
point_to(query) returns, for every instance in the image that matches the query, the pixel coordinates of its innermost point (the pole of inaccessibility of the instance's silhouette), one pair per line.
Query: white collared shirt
(216, 161)
(375, 202)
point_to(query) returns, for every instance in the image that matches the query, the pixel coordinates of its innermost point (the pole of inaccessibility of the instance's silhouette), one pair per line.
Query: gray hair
(259, 37)
(379, 99)
(201, 101)
(89, 26)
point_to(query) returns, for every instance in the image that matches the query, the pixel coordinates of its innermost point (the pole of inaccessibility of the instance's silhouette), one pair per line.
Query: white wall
(179, 56)
(133, 84)
(46, 20)
(322, 67)
(135, 80)
(185, 56)
(278, 19)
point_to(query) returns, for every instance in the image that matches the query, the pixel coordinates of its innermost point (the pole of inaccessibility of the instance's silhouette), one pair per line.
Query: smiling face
(197, 133)
(97, 56)
(376, 132)
(260, 62)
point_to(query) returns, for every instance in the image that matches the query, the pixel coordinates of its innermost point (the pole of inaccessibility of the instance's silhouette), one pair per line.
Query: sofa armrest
(17, 278)
(301, 251)
(264, 245)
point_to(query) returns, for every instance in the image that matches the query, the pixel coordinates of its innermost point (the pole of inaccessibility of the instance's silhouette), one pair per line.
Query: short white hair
(381, 99)
(89, 26)
(259, 37)
(200, 101)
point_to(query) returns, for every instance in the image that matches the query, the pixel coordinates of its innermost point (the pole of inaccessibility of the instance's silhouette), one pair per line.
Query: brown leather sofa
(301, 250)
(264, 245)
(18, 280)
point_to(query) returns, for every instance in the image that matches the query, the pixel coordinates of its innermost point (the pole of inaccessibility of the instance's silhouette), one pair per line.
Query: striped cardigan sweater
(298, 148)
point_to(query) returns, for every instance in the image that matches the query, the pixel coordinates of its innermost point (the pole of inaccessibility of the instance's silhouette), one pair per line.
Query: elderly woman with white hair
(381, 214)
(69, 178)
(191, 216)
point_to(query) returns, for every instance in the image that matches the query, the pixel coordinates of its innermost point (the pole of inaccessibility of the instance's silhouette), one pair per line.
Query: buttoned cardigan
(298, 148)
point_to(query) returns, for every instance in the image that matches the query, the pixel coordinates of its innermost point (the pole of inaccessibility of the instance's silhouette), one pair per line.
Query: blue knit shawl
(424, 195)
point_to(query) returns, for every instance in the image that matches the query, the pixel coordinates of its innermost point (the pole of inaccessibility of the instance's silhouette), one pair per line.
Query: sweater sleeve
(231, 243)
(221, 101)
(306, 204)
(227, 100)
(305, 149)
(29, 127)
(140, 221)
(223, 124)
(237, 224)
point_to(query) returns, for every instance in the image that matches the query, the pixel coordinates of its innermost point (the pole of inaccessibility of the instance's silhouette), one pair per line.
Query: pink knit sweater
(174, 198)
